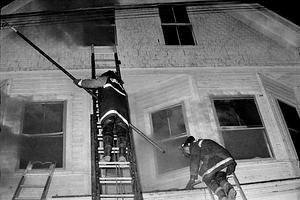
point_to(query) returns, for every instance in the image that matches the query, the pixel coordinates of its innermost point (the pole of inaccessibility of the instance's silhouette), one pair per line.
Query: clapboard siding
(149, 90)
(55, 86)
(164, 92)
(278, 89)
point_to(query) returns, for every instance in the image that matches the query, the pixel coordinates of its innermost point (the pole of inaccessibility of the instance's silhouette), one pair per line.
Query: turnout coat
(210, 157)
(112, 97)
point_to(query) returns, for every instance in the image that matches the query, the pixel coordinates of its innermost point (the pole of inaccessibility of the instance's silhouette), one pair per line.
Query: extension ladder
(111, 180)
(34, 182)
(237, 184)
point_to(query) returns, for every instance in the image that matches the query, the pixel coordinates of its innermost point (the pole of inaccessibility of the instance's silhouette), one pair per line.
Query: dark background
(287, 9)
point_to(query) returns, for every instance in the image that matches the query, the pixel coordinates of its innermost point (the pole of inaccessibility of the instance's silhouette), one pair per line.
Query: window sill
(180, 46)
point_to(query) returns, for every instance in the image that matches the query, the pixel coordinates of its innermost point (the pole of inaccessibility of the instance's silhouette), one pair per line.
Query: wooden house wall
(225, 62)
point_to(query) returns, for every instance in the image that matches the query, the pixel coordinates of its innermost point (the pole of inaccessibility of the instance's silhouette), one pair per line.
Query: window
(292, 121)
(176, 25)
(3, 94)
(43, 129)
(1, 102)
(169, 129)
(242, 130)
(101, 31)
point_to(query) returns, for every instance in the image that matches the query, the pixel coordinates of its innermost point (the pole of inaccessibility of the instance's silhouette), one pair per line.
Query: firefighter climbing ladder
(28, 186)
(111, 180)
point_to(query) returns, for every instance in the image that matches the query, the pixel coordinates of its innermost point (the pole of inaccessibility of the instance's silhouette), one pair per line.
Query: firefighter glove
(77, 82)
(190, 184)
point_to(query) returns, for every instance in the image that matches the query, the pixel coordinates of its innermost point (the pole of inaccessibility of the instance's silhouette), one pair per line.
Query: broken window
(101, 31)
(3, 86)
(292, 121)
(97, 28)
(176, 25)
(242, 130)
(43, 130)
(169, 129)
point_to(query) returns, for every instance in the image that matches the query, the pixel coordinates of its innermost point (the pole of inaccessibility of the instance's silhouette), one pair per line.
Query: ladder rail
(96, 190)
(45, 187)
(18, 190)
(237, 183)
(100, 181)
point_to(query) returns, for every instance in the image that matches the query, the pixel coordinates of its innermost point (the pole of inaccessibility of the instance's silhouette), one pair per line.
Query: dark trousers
(111, 125)
(218, 182)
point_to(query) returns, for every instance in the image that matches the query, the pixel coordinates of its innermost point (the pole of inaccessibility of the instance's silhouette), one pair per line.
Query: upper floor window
(242, 130)
(176, 25)
(101, 31)
(3, 87)
(43, 130)
(292, 120)
(169, 129)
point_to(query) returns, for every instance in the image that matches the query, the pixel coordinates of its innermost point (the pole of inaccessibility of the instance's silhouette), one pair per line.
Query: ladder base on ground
(28, 189)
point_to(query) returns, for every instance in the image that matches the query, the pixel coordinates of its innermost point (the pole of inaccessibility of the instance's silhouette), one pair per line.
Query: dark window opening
(171, 32)
(101, 32)
(292, 121)
(99, 35)
(242, 130)
(176, 26)
(170, 130)
(43, 126)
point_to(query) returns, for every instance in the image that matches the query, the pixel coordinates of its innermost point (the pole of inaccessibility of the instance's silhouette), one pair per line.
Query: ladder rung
(113, 149)
(115, 179)
(104, 53)
(32, 186)
(116, 195)
(113, 164)
(37, 174)
(105, 49)
(115, 182)
(112, 167)
(113, 152)
(100, 137)
(105, 60)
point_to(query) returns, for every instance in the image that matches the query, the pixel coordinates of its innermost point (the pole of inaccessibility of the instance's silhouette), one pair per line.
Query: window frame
(176, 25)
(283, 123)
(108, 25)
(63, 133)
(155, 153)
(234, 128)
(4, 88)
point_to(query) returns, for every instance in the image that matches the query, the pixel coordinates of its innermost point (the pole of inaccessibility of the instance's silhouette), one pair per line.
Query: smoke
(82, 28)
(10, 139)
(21, 123)
(68, 22)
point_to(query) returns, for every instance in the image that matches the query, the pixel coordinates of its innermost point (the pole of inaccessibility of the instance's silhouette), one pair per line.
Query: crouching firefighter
(212, 163)
(113, 111)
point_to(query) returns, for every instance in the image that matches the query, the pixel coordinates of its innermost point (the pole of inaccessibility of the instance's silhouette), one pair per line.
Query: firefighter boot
(221, 193)
(107, 140)
(228, 188)
(122, 149)
(231, 194)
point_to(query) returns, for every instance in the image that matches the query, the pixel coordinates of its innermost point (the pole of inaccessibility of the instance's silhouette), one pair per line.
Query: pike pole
(147, 138)
(73, 78)
(48, 57)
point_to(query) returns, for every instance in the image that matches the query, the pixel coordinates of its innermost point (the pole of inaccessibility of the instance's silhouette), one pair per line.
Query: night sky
(288, 8)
